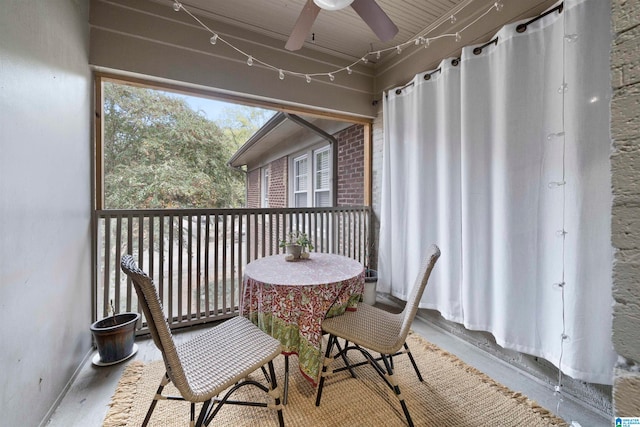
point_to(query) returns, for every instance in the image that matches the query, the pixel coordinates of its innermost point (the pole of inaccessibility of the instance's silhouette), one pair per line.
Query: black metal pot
(114, 336)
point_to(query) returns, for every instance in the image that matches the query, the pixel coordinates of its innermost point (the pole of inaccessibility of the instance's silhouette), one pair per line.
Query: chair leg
(327, 358)
(286, 379)
(413, 362)
(274, 386)
(203, 413)
(163, 383)
(266, 375)
(396, 389)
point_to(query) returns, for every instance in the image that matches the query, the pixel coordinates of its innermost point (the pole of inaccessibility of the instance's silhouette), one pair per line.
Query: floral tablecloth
(289, 300)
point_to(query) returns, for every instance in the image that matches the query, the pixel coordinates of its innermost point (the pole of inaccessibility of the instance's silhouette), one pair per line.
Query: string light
(562, 233)
(418, 40)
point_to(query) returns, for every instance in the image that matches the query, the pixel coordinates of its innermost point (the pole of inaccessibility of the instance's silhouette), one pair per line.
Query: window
(312, 179)
(300, 181)
(322, 187)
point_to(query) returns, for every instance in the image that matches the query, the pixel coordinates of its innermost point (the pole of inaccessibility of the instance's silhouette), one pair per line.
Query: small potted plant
(114, 336)
(296, 244)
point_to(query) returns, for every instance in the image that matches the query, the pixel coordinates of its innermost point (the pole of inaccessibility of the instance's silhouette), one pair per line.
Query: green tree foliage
(159, 153)
(240, 122)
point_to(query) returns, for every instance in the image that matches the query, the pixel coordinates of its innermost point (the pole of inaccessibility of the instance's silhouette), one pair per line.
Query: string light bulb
(570, 38)
(281, 74)
(398, 50)
(365, 59)
(458, 37)
(307, 78)
(498, 5)
(332, 77)
(177, 6)
(378, 55)
(213, 39)
(453, 19)
(349, 70)
(250, 61)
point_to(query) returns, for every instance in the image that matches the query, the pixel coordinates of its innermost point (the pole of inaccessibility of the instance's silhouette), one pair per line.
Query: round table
(289, 300)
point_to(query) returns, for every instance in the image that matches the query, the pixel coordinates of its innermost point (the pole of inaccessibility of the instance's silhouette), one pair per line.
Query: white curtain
(503, 161)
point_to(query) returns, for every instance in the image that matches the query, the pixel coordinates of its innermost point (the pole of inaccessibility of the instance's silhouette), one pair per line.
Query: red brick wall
(253, 189)
(350, 166)
(278, 183)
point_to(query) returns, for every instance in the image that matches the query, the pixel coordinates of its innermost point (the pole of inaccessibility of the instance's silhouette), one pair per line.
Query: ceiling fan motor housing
(332, 4)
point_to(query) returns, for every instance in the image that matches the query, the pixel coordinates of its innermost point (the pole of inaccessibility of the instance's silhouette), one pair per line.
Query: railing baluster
(240, 264)
(151, 220)
(216, 251)
(224, 263)
(198, 267)
(107, 275)
(161, 219)
(206, 266)
(171, 244)
(232, 260)
(189, 268)
(180, 249)
(116, 260)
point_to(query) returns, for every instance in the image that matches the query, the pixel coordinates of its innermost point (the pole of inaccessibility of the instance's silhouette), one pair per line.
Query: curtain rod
(521, 28)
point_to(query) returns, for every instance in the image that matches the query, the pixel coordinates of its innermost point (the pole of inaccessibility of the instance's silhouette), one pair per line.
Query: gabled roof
(284, 134)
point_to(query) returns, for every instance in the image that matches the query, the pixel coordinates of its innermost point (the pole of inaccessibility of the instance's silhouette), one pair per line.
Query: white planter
(370, 282)
(294, 250)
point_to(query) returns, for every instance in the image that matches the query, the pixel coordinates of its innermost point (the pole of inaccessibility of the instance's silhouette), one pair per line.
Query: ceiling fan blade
(303, 26)
(373, 15)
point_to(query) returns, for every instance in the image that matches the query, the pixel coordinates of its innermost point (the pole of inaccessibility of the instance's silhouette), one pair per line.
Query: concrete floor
(86, 402)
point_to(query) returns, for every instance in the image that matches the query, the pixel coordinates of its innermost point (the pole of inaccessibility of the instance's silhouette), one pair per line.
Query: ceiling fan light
(332, 4)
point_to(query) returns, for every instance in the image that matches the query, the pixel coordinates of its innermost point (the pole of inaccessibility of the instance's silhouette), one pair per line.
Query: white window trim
(311, 171)
(264, 187)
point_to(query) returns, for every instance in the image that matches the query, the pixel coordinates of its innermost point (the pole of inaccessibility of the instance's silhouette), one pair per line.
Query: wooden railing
(196, 257)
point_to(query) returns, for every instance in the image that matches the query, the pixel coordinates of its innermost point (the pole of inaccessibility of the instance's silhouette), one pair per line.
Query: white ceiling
(341, 33)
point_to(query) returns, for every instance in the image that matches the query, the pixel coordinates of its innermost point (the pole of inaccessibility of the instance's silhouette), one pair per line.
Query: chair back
(411, 308)
(156, 320)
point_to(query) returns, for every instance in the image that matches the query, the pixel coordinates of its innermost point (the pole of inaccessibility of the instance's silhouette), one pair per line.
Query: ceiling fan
(370, 12)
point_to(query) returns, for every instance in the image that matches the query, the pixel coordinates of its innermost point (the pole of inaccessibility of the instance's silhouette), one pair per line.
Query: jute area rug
(452, 394)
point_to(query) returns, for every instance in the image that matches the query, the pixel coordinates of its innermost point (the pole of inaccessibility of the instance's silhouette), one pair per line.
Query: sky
(212, 109)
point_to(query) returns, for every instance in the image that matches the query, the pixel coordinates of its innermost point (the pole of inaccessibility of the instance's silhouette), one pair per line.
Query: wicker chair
(372, 329)
(205, 366)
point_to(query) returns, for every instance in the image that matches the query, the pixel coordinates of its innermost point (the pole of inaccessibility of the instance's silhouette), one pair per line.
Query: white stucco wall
(45, 194)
